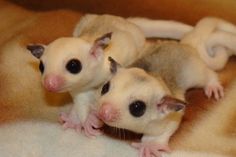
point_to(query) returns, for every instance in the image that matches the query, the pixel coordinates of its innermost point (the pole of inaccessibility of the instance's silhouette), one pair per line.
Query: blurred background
(188, 11)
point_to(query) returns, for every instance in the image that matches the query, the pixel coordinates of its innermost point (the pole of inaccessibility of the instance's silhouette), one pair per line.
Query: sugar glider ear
(36, 50)
(100, 44)
(113, 65)
(170, 104)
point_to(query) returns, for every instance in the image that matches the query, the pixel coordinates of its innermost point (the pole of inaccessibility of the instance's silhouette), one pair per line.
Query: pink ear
(170, 104)
(100, 44)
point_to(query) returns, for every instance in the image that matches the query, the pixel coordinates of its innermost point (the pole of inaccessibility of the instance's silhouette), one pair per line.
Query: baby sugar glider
(139, 102)
(79, 64)
(73, 65)
(151, 102)
(181, 68)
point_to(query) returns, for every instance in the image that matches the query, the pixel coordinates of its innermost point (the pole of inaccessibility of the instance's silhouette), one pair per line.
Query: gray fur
(170, 61)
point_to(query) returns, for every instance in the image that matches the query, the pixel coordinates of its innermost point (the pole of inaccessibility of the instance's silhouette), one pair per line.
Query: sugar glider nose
(53, 83)
(108, 113)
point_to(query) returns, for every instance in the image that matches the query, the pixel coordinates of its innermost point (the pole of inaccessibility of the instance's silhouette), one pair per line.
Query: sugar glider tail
(223, 39)
(224, 25)
(207, 26)
(220, 46)
(208, 42)
(161, 28)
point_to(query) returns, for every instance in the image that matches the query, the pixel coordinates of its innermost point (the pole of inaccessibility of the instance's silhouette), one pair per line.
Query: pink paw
(69, 123)
(92, 124)
(151, 149)
(215, 90)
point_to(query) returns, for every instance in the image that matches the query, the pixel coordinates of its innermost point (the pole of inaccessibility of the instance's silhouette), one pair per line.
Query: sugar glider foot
(149, 149)
(92, 124)
(67, 122)
(214, 89)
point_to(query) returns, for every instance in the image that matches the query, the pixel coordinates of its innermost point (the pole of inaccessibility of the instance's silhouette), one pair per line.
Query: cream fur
(127, 44)
(37, 138)
(180, 67)
(216, 125)
(204, 40)
(132, 84)
(161, 28)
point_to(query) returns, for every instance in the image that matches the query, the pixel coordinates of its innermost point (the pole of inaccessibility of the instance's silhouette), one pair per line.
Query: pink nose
(53, 83)
(108, 113)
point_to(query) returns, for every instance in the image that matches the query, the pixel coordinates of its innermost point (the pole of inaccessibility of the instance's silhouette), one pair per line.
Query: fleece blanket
(45, 139)
(28, 113)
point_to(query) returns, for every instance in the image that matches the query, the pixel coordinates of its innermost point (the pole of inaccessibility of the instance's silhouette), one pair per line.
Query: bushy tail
(161, 28)
(211, 48)
(222, 39)
(207, 26)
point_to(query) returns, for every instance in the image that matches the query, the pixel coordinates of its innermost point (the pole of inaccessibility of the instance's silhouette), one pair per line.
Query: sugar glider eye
(74, 66)
(137, 108)
(41, 67)
(105, 88)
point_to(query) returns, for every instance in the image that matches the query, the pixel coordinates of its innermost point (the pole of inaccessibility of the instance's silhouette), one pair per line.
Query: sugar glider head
(70, 63)
(132, 100)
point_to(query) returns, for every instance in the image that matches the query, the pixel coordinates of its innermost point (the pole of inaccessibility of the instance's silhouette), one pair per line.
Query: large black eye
(41, 67)
(74, 66)
(105, 88)
(137, 108)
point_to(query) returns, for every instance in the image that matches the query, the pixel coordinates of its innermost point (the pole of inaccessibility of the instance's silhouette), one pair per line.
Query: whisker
(123, 134)
(120, 133)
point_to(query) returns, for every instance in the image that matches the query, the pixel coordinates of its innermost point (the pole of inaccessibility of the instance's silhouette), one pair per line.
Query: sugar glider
(74, 65)
(181, 68)
(152, 103)
(79, 64)
(214, 39)
(139, 102)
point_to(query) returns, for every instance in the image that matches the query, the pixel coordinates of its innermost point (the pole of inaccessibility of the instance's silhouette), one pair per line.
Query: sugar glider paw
(215, 90)
(92, 124)
(67, 122)
(150, 149)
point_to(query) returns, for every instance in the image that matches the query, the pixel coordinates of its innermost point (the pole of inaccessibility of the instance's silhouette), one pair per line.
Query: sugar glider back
(181, 68)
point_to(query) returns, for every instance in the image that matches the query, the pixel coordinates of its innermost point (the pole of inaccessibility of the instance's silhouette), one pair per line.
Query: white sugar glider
(214, 39)
(79, 64)
(139, 102)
